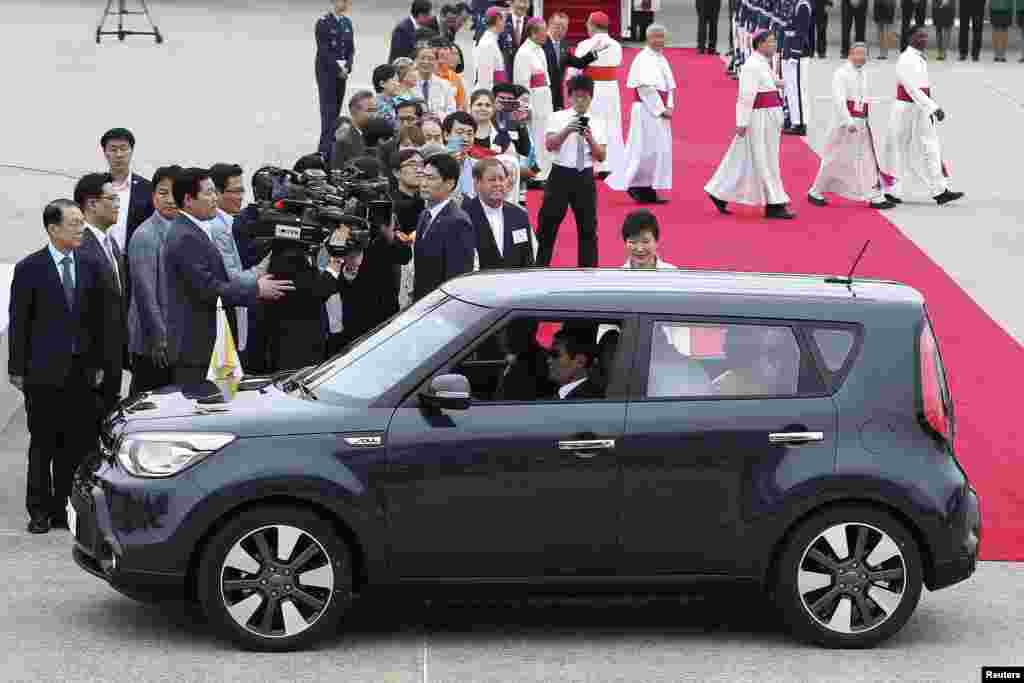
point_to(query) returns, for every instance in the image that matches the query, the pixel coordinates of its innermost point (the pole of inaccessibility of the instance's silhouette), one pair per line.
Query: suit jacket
(196, 278)
(43, 328)
(588, 389)
(115, 311)
(557, 64)
(349, 144)
(507, 41)
(403, 40)
(140, 205)
(372, 297)
(444, 249)
(512, 255)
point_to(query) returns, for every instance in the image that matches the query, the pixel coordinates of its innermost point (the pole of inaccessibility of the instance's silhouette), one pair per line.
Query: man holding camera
(576, 142)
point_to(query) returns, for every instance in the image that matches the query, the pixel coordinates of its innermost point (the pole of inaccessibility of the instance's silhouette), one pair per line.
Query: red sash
(477, 152)
(538, 79)
(903, 96)
(661, 93)
(767, 99)
(853, 111)
(602, 73)
(500, 77)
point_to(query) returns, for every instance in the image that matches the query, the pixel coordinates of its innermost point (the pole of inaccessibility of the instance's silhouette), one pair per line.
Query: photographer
(576, 142)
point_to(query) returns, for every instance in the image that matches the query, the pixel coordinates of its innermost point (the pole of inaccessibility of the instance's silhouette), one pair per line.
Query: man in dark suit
(134, 192)
(197, 278)
(572, 355)
(560, 55)
(515, 32)
(55, 344)
(350, 143)
(504, 238)
(403, 37)
(95, 194)
(445, 239)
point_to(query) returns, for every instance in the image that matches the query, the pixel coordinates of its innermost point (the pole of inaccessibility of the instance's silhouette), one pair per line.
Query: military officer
(335, 48)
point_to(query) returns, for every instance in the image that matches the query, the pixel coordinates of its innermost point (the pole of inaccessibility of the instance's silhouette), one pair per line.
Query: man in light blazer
(445, 238)
(197, 278)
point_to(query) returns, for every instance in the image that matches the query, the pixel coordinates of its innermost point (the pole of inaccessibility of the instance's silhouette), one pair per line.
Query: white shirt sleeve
(521, 69)
(747, 93)
(839, 97)
(485, 67)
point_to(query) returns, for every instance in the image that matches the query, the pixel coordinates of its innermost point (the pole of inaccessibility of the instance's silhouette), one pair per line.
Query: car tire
(849, 577)
(275, 578)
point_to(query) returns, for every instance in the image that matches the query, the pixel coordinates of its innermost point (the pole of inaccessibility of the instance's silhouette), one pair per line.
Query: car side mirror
(447, 392)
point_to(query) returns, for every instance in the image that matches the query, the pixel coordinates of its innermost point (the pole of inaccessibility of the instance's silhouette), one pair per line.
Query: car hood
(257, 407)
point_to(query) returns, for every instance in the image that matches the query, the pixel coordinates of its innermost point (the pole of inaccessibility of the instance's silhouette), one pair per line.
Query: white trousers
(794, 72)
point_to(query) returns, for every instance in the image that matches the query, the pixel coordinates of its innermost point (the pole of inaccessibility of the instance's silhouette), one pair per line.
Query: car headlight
(165, 454)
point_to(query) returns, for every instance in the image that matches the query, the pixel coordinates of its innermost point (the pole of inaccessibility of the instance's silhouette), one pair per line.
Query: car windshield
(372, 366)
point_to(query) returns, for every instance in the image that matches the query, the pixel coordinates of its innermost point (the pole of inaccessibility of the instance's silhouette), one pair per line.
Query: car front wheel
(275, 578)
(849, 578)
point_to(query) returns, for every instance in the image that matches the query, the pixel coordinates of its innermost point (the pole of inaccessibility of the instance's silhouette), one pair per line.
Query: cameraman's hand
(17, 381)
(940, 115)
(387, 231)
(334, 264)
(160, 357)
(350, 265)
(270, 288)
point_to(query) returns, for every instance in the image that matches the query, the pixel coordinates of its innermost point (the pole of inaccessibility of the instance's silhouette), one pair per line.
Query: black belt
(588, 169)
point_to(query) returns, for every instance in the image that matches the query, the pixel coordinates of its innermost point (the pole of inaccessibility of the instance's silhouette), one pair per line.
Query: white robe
(750, 173)
(531, 60)
(912, 154)
(607, 104)
(647, 160)
(849, 166)
(489, 61)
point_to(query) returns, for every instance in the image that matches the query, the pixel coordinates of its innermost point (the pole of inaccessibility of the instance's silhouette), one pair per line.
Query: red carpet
(985, 365)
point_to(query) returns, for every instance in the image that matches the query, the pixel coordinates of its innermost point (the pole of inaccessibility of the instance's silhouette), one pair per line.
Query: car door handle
(795, 438)
(587, 448)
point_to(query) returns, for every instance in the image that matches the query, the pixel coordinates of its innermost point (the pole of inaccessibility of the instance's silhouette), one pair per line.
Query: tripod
(120, 12)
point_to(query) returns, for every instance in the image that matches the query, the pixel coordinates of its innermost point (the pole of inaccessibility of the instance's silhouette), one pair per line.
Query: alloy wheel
(277, 581)
(851, 578)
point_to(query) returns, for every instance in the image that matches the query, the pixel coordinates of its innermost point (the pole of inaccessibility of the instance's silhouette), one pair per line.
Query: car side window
(835, 346)
(531, 358)
(715, 361)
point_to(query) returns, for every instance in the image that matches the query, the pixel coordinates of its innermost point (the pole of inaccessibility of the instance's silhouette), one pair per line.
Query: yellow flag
(225, 365)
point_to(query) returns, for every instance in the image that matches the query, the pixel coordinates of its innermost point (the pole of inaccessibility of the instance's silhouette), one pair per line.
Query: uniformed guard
(335, 48)
(797, 33)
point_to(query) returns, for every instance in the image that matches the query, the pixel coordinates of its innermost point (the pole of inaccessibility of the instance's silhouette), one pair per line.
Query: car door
(706, 451)
(507, 489)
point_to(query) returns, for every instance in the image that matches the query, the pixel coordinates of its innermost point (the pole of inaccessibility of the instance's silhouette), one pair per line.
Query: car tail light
(935, 403)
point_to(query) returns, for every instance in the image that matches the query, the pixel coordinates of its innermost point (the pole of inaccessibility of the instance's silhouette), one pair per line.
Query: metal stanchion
(120, 13)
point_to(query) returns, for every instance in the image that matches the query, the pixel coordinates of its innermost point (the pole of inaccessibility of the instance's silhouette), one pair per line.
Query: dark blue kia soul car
(565, 429)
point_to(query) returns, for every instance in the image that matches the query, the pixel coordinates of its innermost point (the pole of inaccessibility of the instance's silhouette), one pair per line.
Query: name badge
(519, 236)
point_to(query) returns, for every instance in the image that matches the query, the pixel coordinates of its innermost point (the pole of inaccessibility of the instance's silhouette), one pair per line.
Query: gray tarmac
(233, 82)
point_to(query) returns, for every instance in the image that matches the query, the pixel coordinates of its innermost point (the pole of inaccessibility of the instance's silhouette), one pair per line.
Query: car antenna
(848, 279)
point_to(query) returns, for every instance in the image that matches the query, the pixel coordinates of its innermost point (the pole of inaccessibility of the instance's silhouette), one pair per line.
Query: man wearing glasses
(445, 238)
(100, 205)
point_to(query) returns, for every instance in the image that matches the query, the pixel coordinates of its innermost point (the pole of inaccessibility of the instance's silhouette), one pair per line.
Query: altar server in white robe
(913, 156)
(849, 165)
(750, 173)
(530, 70)
(490, 62)
(647, 161)
(607, 104)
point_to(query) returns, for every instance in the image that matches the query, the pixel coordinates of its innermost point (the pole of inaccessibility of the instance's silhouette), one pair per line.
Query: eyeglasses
(112, 198)
(418, 165)
(240, 190)
(411, 118)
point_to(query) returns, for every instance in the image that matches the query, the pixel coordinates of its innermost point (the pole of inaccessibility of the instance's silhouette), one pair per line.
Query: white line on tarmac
(426, 655)
(1005, 94)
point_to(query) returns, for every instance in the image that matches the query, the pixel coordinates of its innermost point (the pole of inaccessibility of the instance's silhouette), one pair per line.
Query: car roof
(680, 292)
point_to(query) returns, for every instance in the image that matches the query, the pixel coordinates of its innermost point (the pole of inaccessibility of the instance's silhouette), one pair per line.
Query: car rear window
(835, 347)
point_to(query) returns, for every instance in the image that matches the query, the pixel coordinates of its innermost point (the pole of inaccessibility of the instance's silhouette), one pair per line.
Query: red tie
(645, 5)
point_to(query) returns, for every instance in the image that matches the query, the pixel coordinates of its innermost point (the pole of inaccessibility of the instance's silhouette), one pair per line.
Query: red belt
(602, 73)
(538, 80)
(661, 93)
(854, 112)
(767, 100)
(903, 96)
(500, 77)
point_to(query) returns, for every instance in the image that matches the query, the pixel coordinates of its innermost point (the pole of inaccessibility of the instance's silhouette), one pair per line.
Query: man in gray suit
(197, 278)
(147, 311)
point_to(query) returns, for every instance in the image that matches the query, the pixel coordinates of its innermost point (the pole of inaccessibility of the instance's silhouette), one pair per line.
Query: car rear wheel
(849, 578)
(275, 578)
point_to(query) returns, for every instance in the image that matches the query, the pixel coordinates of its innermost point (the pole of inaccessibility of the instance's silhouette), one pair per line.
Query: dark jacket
(115, 309)
(196, 278)
(408, 209)
(556, 68)
(444, 249)
(372, 297)
(140, 205)
(403, 40)
(334, 40)
(517, 224)
(586, 390)
(42, 328)
(349, 144)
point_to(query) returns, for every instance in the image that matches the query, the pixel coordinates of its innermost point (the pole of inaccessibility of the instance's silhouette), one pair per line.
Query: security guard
(796, 49)
(335, 48)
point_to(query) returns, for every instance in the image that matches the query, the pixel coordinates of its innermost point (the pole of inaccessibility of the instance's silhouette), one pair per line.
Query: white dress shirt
(334, 309)
(566, 155)
(564, 390)
(496, 217)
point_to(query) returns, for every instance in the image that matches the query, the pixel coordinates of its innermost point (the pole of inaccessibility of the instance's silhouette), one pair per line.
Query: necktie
(426, 93)
(109, 248)
(519, 32)
(68, 281)
(558, 54)
(580, 160)
(424, 226)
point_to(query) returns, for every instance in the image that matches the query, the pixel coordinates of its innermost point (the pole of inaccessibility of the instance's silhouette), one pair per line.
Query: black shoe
(39, 525)
(946, 197)
(59, 521)
(821, 55)
(700, 50)
(533, 184)
(800, 130)
(655, 199)
(778, 211)
(817, 201)
(999, 59)
(892, 199)
(602, 175)
(963, 58)
(722, 206)
(882, 206)
(712, 51)
(882, 57)
(975, 58)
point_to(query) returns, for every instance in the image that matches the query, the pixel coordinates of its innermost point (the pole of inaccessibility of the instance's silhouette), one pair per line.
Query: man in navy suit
(515, 32)
(100, 206)
(135, 193)
(445, 239)
(504, 238)
(403, 37)
(560, 55)
(196, 278)
(56, 336)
